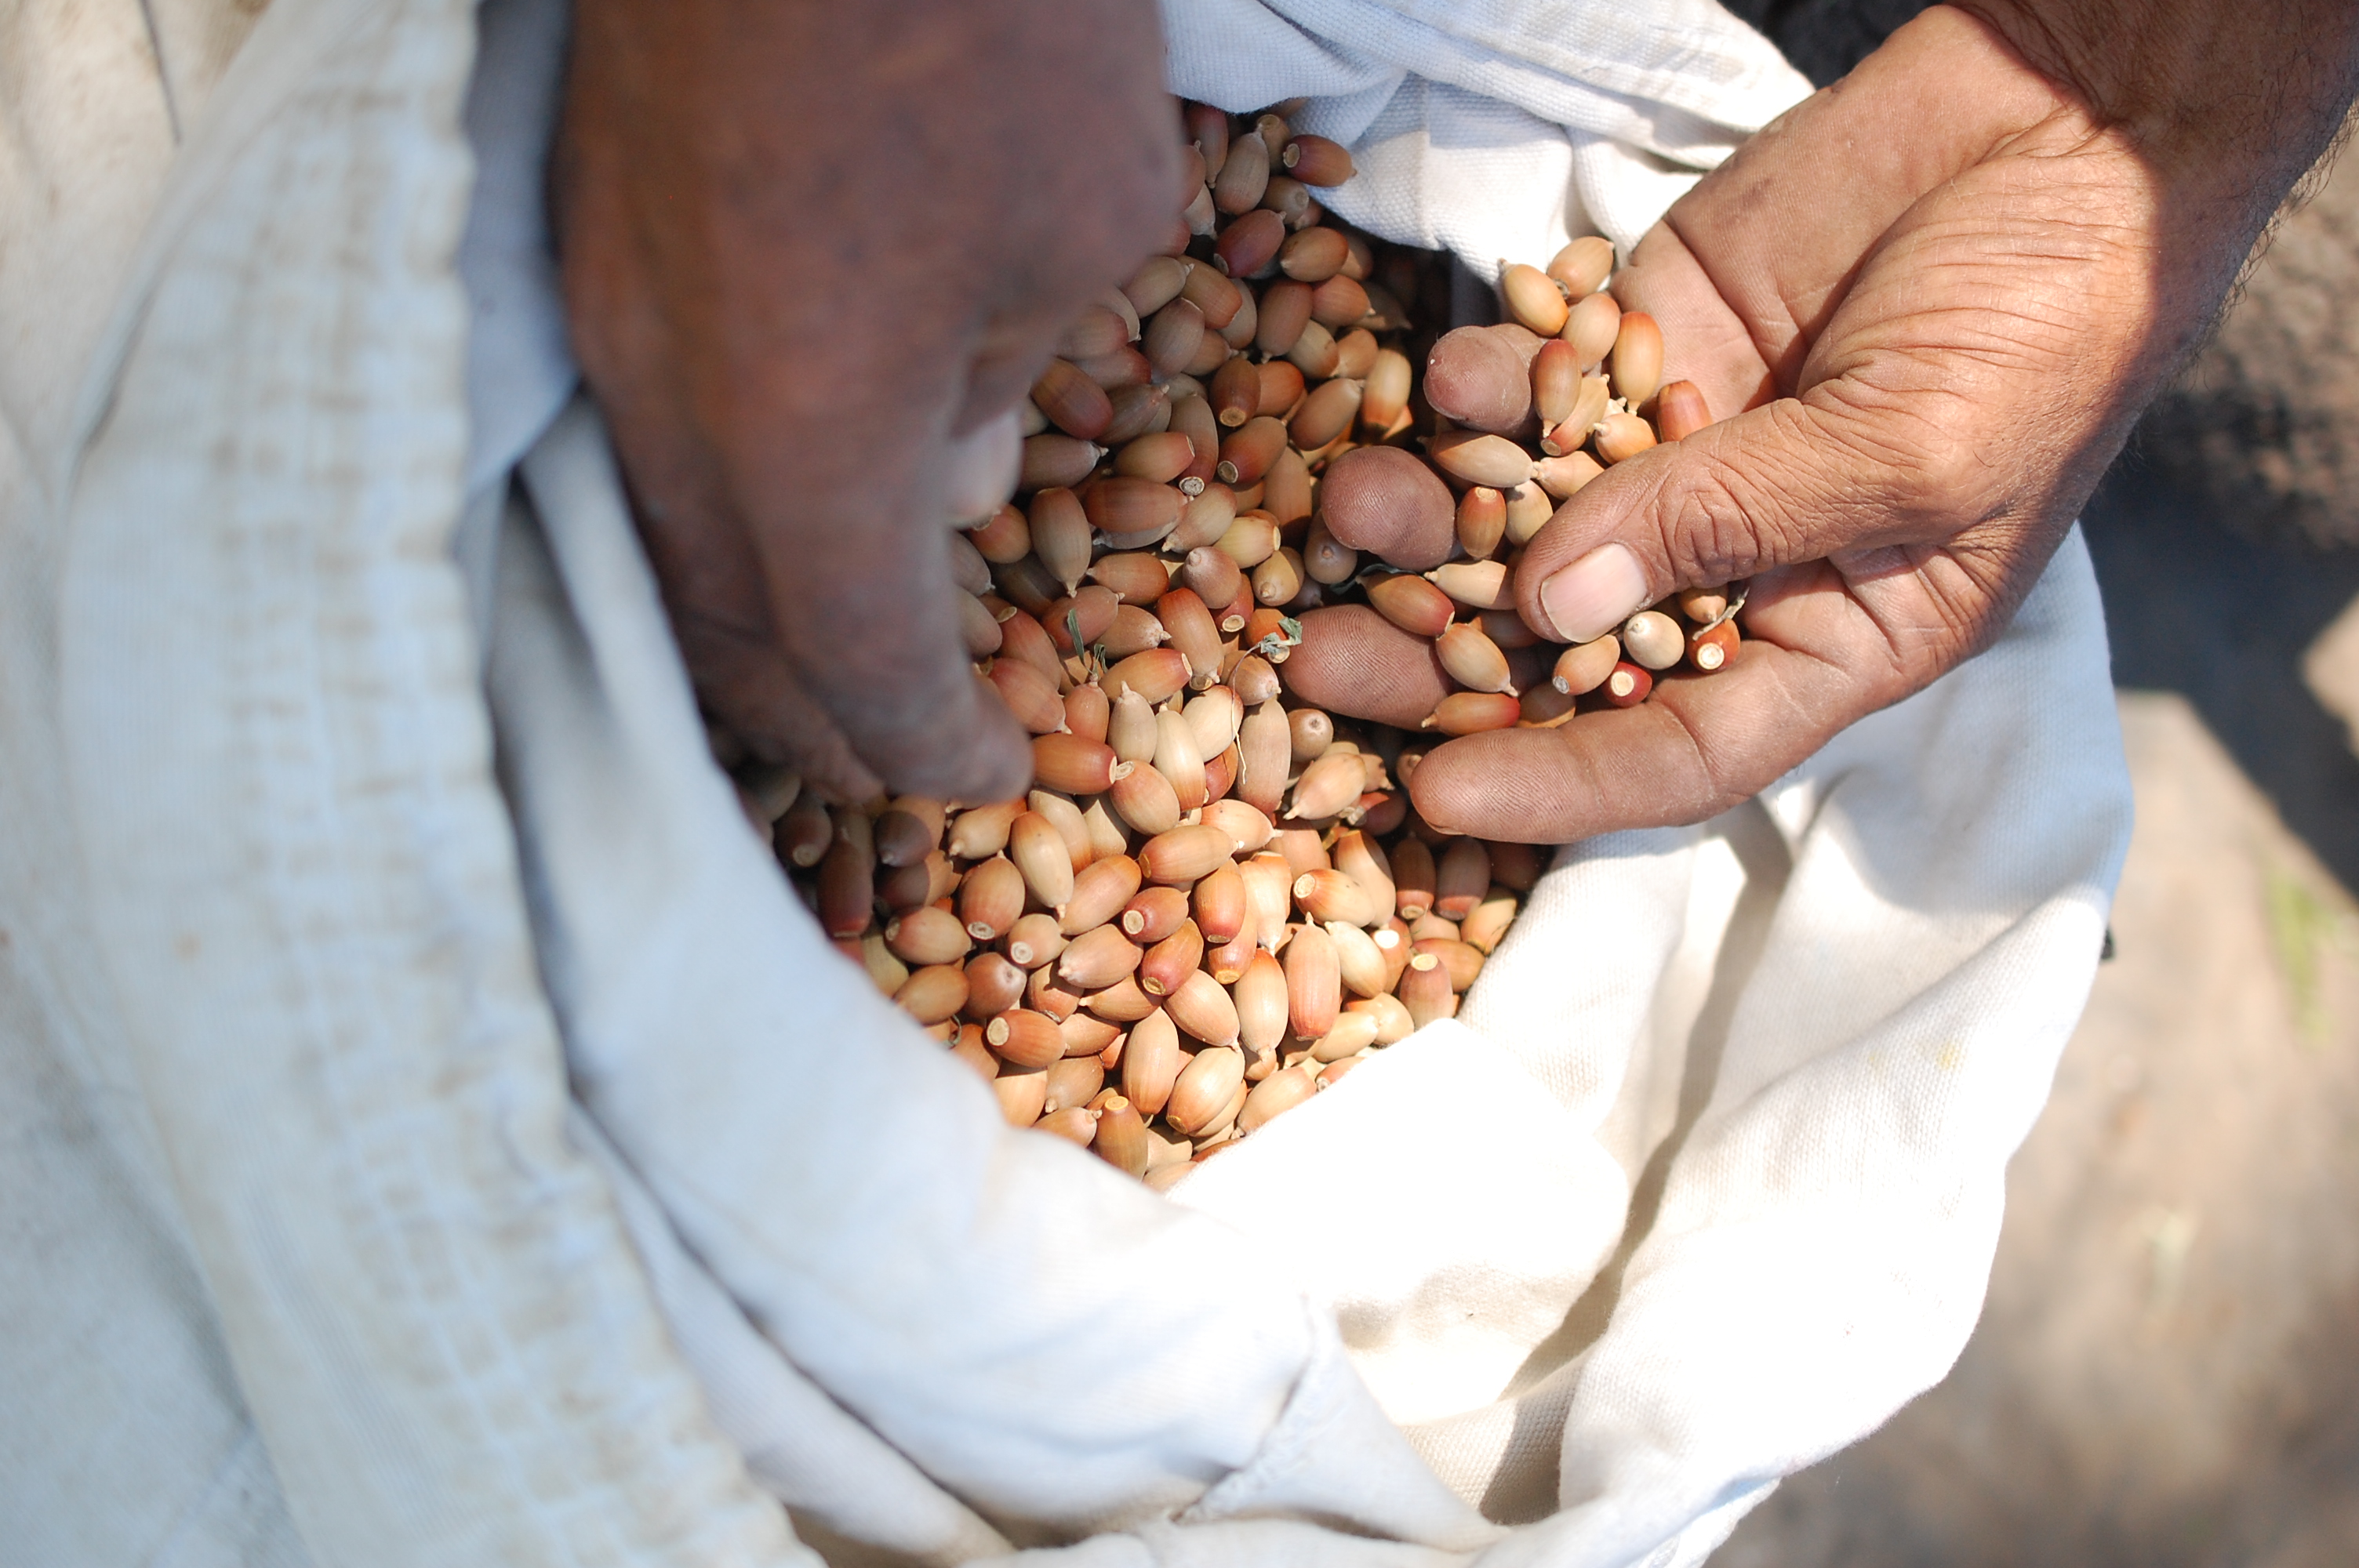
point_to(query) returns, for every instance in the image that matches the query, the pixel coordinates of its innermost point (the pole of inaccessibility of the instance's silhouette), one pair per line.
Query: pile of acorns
(1217, 900)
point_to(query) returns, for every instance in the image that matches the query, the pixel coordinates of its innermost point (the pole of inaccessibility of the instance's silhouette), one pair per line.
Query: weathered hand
(812, 254)
(1933, 299)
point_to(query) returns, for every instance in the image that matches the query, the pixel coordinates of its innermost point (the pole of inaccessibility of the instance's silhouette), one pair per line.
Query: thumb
(1793, 480)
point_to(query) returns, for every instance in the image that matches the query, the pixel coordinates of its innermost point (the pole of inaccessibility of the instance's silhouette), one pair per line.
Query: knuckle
(1733, 516)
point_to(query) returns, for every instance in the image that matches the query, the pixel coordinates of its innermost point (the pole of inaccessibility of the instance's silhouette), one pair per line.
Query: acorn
(1360, 966)
(1022, 1091)
(1411, 603)
(1283, 310)
(1155, 675)
(1070, 764)
(1472, 660)
(1461, 878)
(1134, 631)
(803, 834)
(1275, 1095)
(1471, 712)
(1202, 1093)
(1053, 459)
(1621, 436)
(1425, 991)
(1315, 160)
(927, 936)
(1709, 651)
(1680, 411)
(1583, 667)
(1155, 284)
(1327, 895)
(1260, 995)
(1246, 827)
(1310, 732)
(1034, 941)
(1159, 456)
(1151, 1061)
(1627, 685)
(1461, 959)
(1477, 458)
(1556, 383)
(1482, 520)
(1244, 176)
(1476, 585)
(1248, 243)
(1353, 1032)
(1210, 291)
(1219, 903)
(1702, 604)
(1637, 358)
(1177, 760)
(1202, 1009)
(1120, 1139)
(1183, 855)
(1030, 696)
(1583, 267)
(1335, 305)
(1533, 299)
(1314, 982)
(1067, 819)
(1173, 335)
(1653, 639)
(1154, 913)
(1486, 924)
(1074, 1081)
(1073, 403)
(1193, 630)
(1593, 327)
(1075, 1124)
(1085, 1035)
(1235, 392)
(1361, 858)
(1385, 396)
(1247, 451)
(1278, 387)
(1144, 798)
(1327, 786)
(1312, 255)
(1328, 412)
(1096, 959)
(993, 986)
(1101, 889)
(1041, 853)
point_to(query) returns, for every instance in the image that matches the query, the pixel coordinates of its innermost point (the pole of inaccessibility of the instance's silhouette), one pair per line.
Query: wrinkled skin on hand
(1934, 298)
(812, 255)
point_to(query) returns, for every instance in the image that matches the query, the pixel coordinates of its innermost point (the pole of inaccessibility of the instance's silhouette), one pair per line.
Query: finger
(1700, 745)
(1705, 343)
(1353, 661)
(1388, 502)
(744, 683)
(1843, 468)
(873, 636)
(1782, 242)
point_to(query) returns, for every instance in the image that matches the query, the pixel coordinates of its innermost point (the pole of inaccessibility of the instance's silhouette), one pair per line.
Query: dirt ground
(2167, 1374)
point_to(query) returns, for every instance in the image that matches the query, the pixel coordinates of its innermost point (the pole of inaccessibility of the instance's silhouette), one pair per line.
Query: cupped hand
(812, 256)
(1927, 305)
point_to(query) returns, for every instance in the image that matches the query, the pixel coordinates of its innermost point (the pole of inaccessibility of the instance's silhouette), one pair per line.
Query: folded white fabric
(1495, 128)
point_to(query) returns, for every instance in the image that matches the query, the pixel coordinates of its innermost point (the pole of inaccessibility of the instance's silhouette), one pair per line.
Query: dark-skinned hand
(812, 255)
(1928, 304)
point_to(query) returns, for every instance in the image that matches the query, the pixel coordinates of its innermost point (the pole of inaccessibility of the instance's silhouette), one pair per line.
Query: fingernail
(1596, 594)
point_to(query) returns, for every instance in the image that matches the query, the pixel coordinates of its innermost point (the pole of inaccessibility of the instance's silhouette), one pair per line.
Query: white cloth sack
(1498, 129)
(289, 1130)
